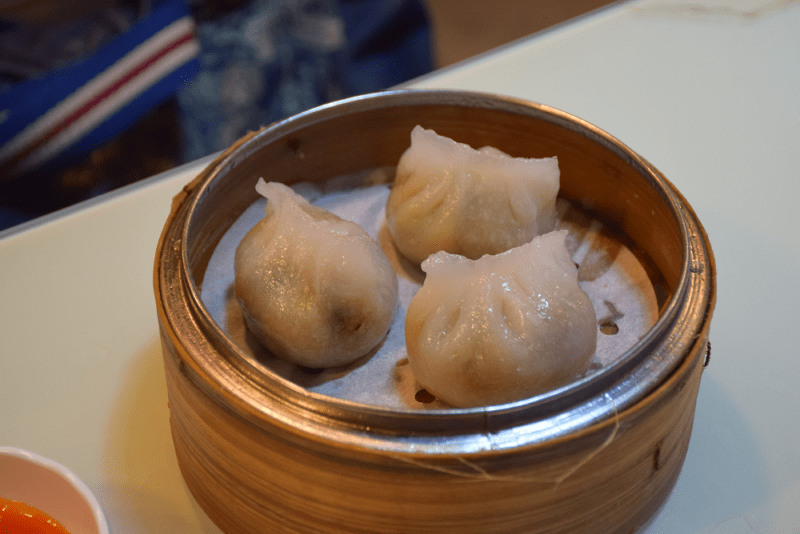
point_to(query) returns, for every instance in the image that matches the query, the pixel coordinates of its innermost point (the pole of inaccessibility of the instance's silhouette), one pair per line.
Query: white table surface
(708, 92)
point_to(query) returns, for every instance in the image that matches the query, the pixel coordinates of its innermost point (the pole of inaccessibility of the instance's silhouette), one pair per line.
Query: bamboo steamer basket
(262, 454)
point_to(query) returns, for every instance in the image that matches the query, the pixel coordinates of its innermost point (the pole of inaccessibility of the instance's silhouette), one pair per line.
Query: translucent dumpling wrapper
(315, 289)
(501, 328)
(450, 197)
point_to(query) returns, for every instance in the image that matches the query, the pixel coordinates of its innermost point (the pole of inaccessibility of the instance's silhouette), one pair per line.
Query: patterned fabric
(84, 103)
(76, 108)
(275, 58)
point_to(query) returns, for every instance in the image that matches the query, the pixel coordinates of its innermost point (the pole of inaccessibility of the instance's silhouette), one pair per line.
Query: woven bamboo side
(610, 478)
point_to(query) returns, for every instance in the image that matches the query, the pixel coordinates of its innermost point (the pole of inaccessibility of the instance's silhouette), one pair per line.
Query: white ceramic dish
(52, 488)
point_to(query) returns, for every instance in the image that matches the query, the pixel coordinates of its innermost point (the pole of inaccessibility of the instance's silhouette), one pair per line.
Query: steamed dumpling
(448, 196)
(502, 328)
(315, 289)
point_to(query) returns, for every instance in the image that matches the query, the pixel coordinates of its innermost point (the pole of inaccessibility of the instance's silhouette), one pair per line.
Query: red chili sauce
(19, 518)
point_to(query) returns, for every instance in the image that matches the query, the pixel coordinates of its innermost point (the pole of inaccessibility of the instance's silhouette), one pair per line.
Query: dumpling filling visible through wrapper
(502, 328)
(315, 289)
(448, 196)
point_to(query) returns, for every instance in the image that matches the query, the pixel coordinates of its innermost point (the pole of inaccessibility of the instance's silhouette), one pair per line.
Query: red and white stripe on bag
(101, 97)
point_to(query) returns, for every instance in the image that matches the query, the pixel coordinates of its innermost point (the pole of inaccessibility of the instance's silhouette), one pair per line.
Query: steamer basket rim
(533, 409)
